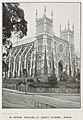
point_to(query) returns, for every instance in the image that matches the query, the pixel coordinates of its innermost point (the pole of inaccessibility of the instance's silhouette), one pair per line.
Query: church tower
(43, 43)
(68, 35)
(44, 24)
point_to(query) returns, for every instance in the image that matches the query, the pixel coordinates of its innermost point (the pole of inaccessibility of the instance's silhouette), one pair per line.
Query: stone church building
(44, 54)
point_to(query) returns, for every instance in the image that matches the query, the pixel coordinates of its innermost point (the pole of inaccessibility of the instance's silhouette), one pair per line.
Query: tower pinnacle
(52, 14)
(45, 10)
(73, 27)
(36, 13)
(68, 24)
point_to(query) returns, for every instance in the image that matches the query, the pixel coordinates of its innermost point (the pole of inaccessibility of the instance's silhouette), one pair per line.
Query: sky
(62, 12)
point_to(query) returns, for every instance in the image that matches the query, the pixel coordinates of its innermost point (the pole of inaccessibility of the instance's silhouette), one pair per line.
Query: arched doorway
(60, 67)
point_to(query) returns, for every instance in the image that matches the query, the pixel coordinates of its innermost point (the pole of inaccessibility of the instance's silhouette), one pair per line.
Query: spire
(36, 13)
(65, 27)
(52, 14)
(68, 24)
(45, 10)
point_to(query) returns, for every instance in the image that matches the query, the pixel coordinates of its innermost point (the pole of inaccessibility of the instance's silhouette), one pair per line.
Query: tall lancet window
(17, 65)
(60, 48)
(40, 44)
(55, 47)
(12, 66)
(39, 62)
(49, 44)
(28, 64)
(66, 51)
(50, 62)
(22, 65)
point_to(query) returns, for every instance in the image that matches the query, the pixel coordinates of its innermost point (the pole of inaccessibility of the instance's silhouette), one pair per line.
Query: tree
(64, 76)
(13, 21)
(52, 80)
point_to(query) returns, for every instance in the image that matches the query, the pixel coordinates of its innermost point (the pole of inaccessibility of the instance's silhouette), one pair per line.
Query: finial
(65, 27)
(36, 13)
(73, 27)
(68, 24)
(45, 10)
(52, 14)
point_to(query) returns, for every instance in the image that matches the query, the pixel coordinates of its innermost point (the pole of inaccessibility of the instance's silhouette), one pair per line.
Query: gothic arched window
(28, 64)
(17, 66)
(39, 62)
(50, 62)
(22, 64)
(66, 52)
(49, 44)
(12, 66)
(40, 44)
(61, 48)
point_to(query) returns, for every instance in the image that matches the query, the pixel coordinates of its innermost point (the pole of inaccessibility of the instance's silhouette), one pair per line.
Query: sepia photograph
(41, 55)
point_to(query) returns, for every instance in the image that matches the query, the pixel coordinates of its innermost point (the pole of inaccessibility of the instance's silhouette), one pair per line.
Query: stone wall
(53, 90)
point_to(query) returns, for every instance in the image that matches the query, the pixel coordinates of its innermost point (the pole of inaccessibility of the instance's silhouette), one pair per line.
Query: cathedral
(45, 54)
